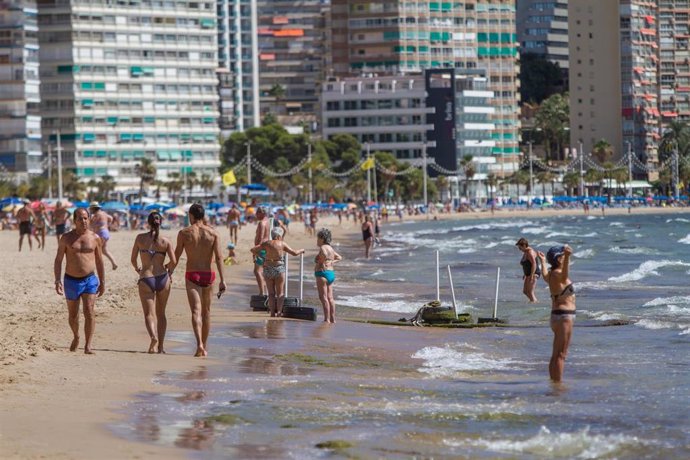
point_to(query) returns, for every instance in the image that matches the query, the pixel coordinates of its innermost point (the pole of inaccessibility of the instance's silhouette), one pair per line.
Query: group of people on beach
(84, 279)
(557, 276)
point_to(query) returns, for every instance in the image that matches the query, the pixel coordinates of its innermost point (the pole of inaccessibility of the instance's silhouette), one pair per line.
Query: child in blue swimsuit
(324, 273)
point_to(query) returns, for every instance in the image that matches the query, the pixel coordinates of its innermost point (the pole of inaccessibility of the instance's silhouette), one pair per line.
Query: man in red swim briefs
(201, 244)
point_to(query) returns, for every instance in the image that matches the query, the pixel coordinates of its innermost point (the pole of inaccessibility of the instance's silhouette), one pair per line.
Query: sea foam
(647, 268)
(685, 240)
(447, 361)
(545, 444)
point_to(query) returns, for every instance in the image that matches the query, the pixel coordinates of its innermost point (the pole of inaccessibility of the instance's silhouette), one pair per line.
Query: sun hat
(554, 253)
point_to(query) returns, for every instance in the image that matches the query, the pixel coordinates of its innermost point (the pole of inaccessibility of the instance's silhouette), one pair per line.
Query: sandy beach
(57, 404)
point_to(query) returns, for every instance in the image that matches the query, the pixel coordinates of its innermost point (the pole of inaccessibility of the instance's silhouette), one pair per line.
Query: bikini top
(567, 291)
(152, 252)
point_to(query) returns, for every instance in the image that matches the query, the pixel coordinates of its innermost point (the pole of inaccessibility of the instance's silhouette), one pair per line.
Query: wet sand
(58, 404)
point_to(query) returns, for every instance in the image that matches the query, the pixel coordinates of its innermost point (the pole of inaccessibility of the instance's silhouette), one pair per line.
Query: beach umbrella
(114, 206)
(224, 210)
(158, 206)
(12, 208)
(178, 211)
(10, 200)
(35, 204)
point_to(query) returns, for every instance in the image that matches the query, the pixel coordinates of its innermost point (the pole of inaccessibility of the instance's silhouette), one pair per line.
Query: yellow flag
(368, 164)
(229, 178)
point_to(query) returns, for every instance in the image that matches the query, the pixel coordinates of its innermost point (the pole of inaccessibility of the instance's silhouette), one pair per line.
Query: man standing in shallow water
(262, 235)
(201, 244)
(82, 249)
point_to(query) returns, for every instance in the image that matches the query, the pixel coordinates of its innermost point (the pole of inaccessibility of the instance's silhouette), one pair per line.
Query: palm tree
(544, 177)
(91, 186)
(603, 151)
(467, 165)
(519, 178)
(571, 180)
(491, 183)
(552, 118)
(173, 185)
(72, 186)
(105, 186)
(146, 170)
(594, 176)
(442, 184)
(206, 183)
(676, 136)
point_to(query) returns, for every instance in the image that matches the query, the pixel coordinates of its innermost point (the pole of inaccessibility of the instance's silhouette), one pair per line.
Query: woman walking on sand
(531, 269)
(154, 279)
(562, 305)
(325, 274)
(367, 235)
(274, 268)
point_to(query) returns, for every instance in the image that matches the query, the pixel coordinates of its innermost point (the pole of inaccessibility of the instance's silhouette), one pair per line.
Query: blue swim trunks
(329, 275)
(104, 234)
(75, 287)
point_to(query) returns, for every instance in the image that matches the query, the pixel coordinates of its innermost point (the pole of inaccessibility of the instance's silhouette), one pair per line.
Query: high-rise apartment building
(291, 58)
(613, 75)
(674, 53)
(542, 28)
(238, 69)
(20, 122)
(126, 80)
(404, 36)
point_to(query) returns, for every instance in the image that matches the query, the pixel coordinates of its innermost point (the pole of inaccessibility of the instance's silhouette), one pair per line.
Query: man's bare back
(199, 243)
(262, 232)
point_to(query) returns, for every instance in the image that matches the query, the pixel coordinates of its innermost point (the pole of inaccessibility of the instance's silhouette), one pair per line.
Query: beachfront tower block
(127, 80)
(20, 122)
(400, 36)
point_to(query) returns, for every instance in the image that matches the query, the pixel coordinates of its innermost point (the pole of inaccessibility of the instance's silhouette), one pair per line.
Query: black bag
(259, 303)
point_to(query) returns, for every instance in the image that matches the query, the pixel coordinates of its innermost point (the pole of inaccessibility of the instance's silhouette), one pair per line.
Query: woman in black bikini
(562, 305)
(154, 278)
(531, 269)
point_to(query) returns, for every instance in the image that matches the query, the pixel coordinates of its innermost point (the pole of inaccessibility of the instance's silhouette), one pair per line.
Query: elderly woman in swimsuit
(530, 267)
(367, 235)
(274, 268)
(324, 273)
(562, 305)
(154, 279)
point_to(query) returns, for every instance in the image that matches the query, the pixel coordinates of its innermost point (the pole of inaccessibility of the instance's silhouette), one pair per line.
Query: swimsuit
(233, 223)
(274, 271)
(527, 267)
(103, 233)
(562, 315)
(60, 229)
(259, 260)
(76, 286)
(366, 234)
(25, 228)
(156, 283)
(329, 275)
(201, 279)
(567, 291)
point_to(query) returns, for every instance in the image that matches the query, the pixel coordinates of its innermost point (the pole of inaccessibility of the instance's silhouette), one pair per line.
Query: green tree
(467, 165)
(571, 181)
(539, 78)
(545, 177)
(676, 136)
(518, 178)
(553, 117)
(277, 92)
(593, 176)
(146, 171)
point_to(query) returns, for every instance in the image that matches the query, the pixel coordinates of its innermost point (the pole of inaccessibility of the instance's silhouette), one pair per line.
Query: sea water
(282, 388)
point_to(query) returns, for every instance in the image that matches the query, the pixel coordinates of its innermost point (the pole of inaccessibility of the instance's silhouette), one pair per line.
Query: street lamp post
(311, 187)
(426, 201)
(531, 176)
(50, 171)
(368, 176)
(59, 165)
(630, 192)
(581, 184)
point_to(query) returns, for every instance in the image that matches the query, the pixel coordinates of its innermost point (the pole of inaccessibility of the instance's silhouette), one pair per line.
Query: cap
(554, 253)
(231, 246)
(94, 204)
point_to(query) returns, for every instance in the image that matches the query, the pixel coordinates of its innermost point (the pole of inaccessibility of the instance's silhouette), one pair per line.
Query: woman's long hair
(155, 225)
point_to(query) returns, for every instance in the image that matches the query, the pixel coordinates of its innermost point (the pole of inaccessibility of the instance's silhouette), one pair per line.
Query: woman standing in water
(562, 305)
(530, 267)
(325, 274)
(274, 268)
(367, 235)
(154, 279)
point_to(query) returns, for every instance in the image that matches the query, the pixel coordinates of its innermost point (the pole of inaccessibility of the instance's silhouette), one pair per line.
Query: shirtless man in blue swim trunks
(100, 225)
(233, 223)
(82, 249)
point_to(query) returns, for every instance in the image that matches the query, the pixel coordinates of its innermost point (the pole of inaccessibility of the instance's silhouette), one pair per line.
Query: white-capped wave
(685, 240)
(494, 225)
(584, 254)
(553, 234)
(491, 245)
(578, 444)
(616, 224)
(647, 268)
(634, 250)
(668, 300)
(380, 302)
(677, 219)
(466, 251)
(533, 230)
(602, 315)
(449, 360)
(654, 324)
